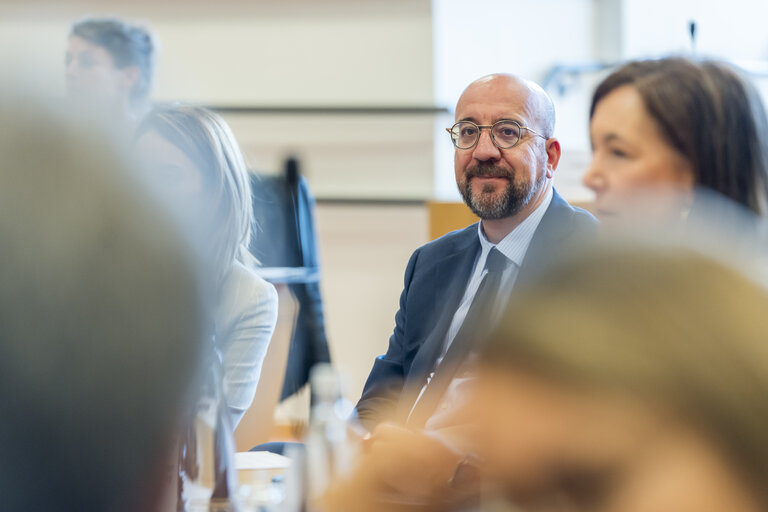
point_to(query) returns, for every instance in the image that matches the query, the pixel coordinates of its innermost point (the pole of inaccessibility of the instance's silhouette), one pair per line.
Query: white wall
(734, 29)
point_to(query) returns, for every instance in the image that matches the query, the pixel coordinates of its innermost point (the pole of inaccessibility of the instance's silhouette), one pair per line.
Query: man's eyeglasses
(504, 134)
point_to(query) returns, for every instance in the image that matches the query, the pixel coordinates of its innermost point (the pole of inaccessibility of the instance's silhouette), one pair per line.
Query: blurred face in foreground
(634, 170)
(553, 448)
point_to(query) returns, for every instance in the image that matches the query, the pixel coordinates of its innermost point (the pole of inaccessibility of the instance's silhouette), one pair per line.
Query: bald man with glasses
(505, 159)
(456, 288)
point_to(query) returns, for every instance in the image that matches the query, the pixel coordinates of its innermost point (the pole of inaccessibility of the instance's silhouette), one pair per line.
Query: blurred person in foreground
(102, 318)
(627, 379)
(644, 389)
(110, 67)
(191, 157)
(663, 130)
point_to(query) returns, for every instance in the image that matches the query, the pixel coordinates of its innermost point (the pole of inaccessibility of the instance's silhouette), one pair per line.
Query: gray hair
(129, 45)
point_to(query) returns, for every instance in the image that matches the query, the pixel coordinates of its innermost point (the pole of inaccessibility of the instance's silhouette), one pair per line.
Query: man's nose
(485, 149)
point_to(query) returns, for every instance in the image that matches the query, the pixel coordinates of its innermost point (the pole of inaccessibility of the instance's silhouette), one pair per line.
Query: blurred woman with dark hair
(662, 129)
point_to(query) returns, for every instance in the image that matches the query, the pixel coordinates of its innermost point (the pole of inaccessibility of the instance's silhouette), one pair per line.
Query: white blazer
(245, 319)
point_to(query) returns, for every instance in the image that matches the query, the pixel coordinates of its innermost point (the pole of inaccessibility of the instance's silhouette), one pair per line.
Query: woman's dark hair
(711, 116)
(129, 45)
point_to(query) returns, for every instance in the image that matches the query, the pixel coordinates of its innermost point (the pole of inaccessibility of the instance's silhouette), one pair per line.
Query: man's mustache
(487, 170)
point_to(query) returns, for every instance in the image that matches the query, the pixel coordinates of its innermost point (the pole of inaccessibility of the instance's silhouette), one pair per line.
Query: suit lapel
(450, 275)
(554, 225)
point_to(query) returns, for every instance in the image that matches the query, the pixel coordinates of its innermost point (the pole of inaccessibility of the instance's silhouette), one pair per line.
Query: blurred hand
(412, 463)
(398, 469)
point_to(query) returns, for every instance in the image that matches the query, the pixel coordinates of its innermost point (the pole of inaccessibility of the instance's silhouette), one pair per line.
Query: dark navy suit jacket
(435, 280)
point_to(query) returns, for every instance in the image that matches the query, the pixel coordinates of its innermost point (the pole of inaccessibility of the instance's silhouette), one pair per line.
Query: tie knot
(496, 262)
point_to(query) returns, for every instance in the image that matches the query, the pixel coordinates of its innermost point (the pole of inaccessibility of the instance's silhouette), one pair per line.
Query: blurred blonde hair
(209, 142)
(669, 326)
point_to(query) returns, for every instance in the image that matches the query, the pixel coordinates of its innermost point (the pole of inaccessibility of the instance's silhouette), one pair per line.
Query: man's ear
(553, 156)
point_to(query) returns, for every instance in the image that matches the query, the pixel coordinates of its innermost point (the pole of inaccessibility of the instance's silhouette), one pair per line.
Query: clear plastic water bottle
(328, 451)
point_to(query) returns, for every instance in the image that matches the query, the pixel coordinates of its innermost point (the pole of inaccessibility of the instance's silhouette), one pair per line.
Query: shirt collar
(515, 244)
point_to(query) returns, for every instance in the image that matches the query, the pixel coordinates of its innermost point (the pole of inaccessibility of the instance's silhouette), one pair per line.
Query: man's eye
(507, 131)
(468, 131)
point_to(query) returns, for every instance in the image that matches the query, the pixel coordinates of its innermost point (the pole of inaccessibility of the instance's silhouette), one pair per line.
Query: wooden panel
(586, 205)
(445, 217)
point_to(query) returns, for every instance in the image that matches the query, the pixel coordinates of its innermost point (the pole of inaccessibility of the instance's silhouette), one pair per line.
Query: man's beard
(489, 204)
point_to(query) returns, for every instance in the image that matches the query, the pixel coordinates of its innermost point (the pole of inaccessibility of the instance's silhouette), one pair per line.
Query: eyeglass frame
(490, 130)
